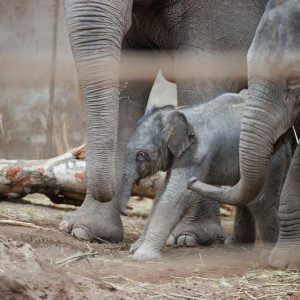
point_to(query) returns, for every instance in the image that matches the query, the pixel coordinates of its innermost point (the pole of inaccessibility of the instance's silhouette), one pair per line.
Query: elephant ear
(180, 134)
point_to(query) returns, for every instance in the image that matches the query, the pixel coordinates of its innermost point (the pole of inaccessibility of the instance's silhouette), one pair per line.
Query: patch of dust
(29, 267)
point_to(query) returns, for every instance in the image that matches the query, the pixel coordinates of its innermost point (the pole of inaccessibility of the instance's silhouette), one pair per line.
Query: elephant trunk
(96, 30)
(125, 189)
(259, 131)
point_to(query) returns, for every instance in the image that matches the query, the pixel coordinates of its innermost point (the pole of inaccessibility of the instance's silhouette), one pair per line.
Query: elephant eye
(141, 156)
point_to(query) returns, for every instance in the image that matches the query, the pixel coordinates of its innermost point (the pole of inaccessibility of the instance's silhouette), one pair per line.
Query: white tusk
(295, 133)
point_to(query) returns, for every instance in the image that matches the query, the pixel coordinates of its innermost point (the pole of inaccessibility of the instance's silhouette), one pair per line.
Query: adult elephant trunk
(273, 103)
(262, 125)
(96, 30)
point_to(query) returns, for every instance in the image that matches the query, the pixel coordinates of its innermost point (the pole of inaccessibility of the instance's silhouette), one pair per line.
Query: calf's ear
(180, 134)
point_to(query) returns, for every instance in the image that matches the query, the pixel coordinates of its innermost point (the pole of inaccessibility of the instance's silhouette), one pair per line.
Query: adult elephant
(98, 30)
(272, 109)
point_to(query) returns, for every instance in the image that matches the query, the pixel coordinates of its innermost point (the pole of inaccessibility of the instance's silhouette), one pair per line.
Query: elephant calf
(201, 141)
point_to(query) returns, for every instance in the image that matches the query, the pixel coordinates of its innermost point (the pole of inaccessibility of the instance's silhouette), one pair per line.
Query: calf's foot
(145, 253)
(136, 244)
(193, 234)
(94, 221)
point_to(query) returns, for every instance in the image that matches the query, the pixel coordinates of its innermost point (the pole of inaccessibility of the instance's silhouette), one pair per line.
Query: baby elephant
(201, 141)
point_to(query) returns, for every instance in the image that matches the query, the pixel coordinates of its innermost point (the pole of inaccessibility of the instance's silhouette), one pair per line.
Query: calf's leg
(200, 226)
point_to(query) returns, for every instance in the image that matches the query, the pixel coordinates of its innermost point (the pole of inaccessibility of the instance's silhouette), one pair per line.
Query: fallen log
(61, 178)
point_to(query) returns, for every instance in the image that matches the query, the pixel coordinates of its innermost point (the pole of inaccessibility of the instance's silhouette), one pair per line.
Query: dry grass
(259, 284)
(77, 256)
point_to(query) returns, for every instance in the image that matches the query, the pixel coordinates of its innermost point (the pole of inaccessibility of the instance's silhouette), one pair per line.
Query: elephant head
(96, 30)
(273, 104)
(161, 136)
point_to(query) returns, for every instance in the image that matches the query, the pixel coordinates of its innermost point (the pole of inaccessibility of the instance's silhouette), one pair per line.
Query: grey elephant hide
(200, 141)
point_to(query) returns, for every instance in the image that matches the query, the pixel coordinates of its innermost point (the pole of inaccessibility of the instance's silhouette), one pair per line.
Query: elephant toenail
(171, 240)
(217, 242)
(63, 225)
(81, 233)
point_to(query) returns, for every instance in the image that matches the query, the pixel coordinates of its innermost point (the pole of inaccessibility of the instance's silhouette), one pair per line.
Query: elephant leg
(101, 221)
(268, 227)
(200, 226)
(286, 253)
(243, 228)
(266, 210)
(266, 217)
(171, 207)
(141, 239)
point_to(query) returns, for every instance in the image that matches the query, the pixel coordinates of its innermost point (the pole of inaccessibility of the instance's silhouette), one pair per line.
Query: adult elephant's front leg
(286, 253)
(96, 31)
(101, 221)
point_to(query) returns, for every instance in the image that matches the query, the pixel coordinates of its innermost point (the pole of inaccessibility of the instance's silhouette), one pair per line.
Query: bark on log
(61, 178)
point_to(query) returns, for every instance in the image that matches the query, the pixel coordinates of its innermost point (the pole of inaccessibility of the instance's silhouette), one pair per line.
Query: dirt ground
(43, 263)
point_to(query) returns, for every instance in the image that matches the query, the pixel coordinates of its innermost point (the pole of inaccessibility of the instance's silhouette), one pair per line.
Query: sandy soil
(44, 263)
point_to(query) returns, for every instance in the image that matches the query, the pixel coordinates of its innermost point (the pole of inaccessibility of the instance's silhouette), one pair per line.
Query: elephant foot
(193, 234)
(145, 253)
(285, 256)
(94, 221)
(136, 244)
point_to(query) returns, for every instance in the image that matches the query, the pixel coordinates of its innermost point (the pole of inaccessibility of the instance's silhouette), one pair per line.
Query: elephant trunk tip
(190, 183)
(226, 195)
(123, 197)
(124, 209)
(203, 189)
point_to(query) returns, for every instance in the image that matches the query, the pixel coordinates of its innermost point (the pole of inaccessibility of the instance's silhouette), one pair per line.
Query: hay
(77, 256)
(24, 224)
(259, 284)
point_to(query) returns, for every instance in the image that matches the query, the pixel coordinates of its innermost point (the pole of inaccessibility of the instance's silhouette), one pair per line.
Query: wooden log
(150, 186)
(61, 178)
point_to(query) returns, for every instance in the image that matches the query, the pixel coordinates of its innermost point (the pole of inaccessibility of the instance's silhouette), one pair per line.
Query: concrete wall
(32, 52)
(27, 45)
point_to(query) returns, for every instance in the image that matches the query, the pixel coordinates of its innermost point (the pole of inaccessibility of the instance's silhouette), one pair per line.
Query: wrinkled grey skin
(202, 140)
(273, 107)
(98, 30)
